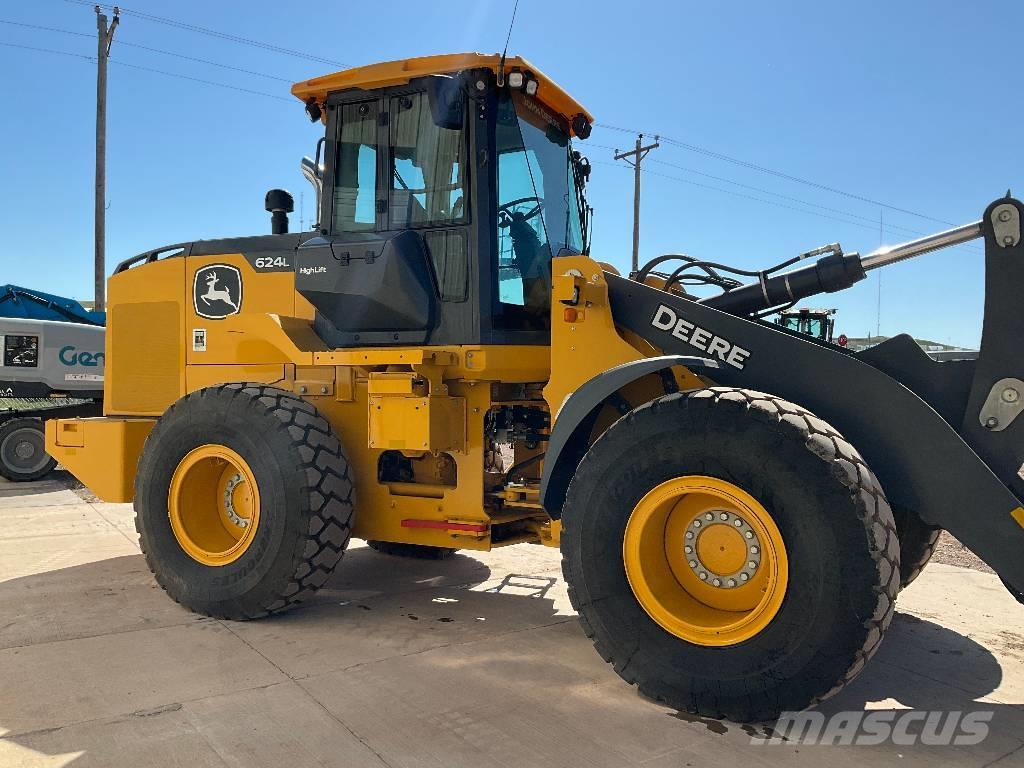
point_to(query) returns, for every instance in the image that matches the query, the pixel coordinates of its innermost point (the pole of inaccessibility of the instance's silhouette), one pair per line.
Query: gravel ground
(952, 552)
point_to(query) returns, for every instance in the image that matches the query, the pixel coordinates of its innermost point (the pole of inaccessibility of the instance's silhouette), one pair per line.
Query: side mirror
(447, 96)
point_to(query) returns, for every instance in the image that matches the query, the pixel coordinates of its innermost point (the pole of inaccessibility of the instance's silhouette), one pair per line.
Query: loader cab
(445, 197)
(816, 323)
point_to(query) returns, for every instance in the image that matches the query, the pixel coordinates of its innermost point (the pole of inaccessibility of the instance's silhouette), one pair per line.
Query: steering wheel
(505, 214)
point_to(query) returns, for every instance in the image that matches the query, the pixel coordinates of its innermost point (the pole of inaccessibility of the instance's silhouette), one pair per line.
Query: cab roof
(390, 73)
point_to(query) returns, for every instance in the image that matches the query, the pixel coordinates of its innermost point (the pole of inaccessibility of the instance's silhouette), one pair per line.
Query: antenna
(501, 65)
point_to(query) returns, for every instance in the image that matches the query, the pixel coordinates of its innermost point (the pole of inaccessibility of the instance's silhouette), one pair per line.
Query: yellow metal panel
(145, 349)
(70, 433)
(1018, 515)
(145, 370)
(581, 347)
(391, 73)
(417, 423)
(511, 364)
(396, 384)
(505, 363)
(385, 356)
(344, 383)
(265, 329)
(102, 452)
(200, 376)
(381, 511)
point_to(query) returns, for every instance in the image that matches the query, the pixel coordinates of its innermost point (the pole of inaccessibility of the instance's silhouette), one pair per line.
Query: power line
(121, 63)
(764, 191)
(684, 145)
(151, 50)
(771, 171)
(200, 80)
(601, 125)
(49, 50)
(213, 33)
(734, 193)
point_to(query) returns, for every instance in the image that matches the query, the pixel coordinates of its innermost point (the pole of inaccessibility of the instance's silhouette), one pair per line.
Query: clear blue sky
(914, 104)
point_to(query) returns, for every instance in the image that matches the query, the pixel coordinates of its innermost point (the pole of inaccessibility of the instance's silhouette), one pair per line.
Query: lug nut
(717, 582)
(709, 516)
(754, 549)
(744, 576)
(724, 515)
(703, 576)
(738, 523)
(696, 523)
(693, 563)
(688, 549)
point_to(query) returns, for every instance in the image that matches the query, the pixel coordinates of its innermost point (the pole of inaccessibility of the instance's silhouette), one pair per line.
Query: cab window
(428, 169)
(355, 186)
(537, 213)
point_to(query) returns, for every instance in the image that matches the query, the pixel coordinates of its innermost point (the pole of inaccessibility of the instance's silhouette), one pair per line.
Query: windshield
(538, 208)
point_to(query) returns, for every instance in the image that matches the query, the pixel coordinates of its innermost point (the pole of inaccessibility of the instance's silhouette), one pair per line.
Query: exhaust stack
(279, 203)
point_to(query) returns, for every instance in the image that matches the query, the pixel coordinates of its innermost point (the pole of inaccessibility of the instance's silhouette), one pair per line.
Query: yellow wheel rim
(214, 505)
(705, 560)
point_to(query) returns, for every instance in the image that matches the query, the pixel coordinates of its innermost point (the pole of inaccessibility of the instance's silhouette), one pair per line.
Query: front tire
(762, 463)
(243, 501)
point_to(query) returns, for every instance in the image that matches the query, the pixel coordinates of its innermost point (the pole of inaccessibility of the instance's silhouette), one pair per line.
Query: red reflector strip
(444, 525)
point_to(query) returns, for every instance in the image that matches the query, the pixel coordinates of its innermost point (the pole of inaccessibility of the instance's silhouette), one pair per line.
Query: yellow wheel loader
(440, 364)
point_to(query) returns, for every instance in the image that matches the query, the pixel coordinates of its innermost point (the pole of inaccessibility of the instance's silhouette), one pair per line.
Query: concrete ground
(475, 661)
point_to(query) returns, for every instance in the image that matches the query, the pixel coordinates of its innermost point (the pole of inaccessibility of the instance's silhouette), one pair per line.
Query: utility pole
(881, 242)
(639, 154)
(105, 38)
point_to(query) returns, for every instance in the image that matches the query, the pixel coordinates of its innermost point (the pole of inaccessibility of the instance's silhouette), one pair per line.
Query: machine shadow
(921, 664)
(58, 480)
(363, 568)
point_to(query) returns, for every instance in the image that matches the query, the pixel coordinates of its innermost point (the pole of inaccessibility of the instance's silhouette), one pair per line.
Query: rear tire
(300, 518)
(834, 520)
(23, 455)
(415, 551)
(918, 541)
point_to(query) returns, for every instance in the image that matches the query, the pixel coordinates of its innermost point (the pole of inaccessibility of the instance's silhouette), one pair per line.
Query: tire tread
(846, 465)
(326, 475)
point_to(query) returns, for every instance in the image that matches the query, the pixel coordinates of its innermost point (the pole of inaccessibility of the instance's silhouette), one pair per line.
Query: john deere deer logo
(217, 291)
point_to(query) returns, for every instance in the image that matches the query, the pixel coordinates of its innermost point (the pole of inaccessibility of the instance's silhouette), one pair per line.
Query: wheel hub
(24, 450)
(233, 484)
(213, 504)
(722, 549)
(705, 560)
